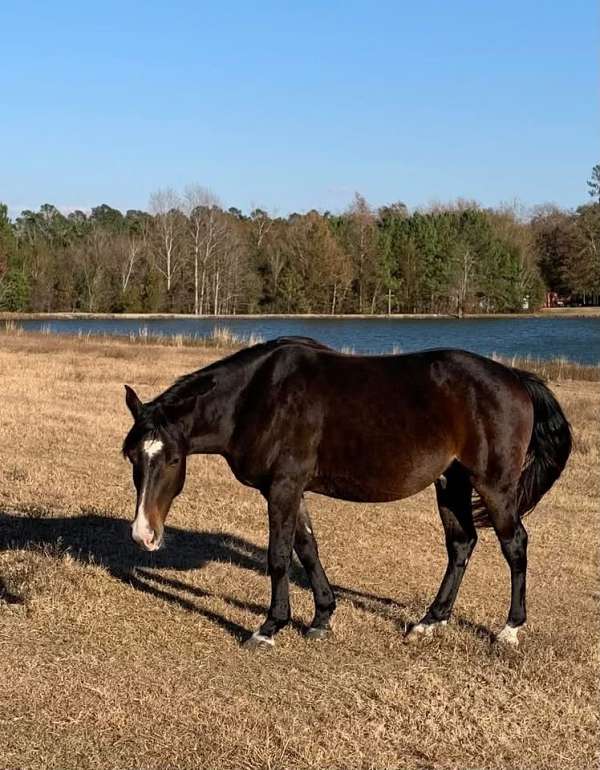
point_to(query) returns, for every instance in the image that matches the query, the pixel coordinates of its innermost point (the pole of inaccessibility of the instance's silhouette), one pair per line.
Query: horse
(292, 415)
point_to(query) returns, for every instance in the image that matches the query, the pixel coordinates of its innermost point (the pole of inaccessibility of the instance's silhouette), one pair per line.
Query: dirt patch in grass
(110, 658)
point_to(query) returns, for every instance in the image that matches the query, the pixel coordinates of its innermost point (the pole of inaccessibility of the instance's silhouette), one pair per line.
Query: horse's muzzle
(148, 540)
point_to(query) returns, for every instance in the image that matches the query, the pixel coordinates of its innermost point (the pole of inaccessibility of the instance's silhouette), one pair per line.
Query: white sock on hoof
(258, 637)
(422, 628)
(509, 635)
(426, 628)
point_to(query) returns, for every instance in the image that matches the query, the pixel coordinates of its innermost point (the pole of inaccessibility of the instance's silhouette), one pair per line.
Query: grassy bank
(114, 659)
(220, 338)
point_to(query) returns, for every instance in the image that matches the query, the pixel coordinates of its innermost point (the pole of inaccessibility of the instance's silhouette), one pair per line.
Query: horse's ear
(133, 402)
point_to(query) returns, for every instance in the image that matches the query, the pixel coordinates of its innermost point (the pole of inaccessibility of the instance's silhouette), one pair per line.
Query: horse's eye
(174, 461)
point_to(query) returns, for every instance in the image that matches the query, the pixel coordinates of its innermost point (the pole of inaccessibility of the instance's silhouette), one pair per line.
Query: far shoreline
(567, 312)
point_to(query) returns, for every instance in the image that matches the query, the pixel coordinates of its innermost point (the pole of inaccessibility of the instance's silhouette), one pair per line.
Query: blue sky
(293, 105)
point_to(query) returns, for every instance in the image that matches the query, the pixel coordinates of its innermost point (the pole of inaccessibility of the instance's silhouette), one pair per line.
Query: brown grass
(113, 659)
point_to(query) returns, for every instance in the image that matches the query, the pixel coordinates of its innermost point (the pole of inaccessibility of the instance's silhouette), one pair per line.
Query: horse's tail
(549, 446)
(548, 451)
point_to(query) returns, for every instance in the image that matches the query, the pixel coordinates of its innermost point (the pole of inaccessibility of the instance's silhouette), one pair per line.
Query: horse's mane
(190, 384)
(154, 414)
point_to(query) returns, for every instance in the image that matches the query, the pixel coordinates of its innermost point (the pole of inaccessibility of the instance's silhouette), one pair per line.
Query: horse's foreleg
(305, 545)
(453, 493)
(283, 501)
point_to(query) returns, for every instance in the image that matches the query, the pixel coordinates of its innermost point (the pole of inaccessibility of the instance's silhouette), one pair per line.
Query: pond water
(577, 339)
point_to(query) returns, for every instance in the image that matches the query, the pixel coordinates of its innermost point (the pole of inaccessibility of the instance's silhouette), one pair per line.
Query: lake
(577, 339)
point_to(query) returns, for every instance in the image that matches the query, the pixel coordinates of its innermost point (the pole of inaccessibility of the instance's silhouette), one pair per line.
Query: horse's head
(157, 452)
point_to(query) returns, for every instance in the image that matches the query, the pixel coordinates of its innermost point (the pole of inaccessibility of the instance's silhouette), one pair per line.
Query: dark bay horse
(292, 415)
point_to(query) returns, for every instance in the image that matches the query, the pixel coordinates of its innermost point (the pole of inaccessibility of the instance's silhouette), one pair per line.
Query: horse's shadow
(94, 538)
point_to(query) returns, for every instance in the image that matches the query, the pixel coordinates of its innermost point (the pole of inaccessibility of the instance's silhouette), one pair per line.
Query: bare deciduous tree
(204, 231)
(165, 205)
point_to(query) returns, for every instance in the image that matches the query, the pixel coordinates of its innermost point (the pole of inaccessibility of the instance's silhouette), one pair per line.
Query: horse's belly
(343, 490)
(379, 485)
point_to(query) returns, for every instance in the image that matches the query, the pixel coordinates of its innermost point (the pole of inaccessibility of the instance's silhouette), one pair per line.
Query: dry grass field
(110, 658)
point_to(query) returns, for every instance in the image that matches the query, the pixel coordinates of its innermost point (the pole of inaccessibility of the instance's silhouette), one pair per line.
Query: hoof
(318, 634)
(509, 636)
(422, 631)
(259, 642)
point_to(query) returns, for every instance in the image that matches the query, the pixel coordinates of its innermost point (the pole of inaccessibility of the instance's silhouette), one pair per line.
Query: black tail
(548, 451)
(549, 447)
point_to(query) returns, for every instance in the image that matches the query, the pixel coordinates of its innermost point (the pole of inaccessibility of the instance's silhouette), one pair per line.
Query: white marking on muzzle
(152, 446)
(140, 529)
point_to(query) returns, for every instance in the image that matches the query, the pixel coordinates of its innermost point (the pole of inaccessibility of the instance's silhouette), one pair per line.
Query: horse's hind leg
(502, 509)
(453, 493)
(306, 549)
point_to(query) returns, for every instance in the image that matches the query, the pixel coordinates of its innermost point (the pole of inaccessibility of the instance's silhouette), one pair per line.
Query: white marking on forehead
(152, 446)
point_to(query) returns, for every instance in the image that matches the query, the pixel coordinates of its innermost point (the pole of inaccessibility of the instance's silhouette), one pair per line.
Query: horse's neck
(210, 422)
(209, 425)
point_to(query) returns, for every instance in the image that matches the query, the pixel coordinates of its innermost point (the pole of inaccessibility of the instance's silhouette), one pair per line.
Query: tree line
(187, 254)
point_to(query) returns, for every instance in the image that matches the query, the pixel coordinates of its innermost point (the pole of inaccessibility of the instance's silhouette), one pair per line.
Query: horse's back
(409, 388)
(389, 425)
(376, 428)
